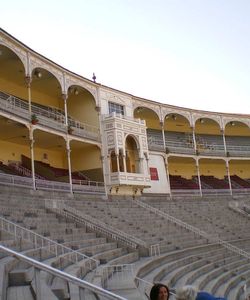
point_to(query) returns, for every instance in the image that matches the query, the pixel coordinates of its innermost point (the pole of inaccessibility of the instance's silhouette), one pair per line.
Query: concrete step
(20, 293)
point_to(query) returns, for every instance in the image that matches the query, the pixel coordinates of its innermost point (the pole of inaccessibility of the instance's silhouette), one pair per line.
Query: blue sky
(190, 53)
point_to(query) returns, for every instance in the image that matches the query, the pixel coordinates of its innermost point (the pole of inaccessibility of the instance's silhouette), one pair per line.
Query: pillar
(32, 141)
(198, 174)
(69, 165)
(28, 80)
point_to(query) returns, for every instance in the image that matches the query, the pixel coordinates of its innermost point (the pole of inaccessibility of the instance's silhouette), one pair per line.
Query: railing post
(82, 294)
(38, 284)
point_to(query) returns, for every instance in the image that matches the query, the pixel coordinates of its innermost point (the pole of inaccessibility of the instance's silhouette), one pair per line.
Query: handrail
(212, 238)
(234, 205)
(56, 119)
(42, 184)
(95, 224)
(122, 270)
(24, 171)
(40, 241)
(82, 284)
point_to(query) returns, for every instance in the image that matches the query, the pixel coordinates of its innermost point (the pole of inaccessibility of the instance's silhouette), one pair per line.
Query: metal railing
(121, 271)
(211, 238)
(94, 224)
(47, 116)
(41, 184)
(23, 171)
(39, 241)
(82, 284)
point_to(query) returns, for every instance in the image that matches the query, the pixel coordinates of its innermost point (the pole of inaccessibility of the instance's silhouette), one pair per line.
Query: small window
(117, 108)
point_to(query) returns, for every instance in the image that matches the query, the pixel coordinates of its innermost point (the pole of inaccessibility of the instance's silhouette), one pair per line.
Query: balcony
(47, 116)
(133, 179)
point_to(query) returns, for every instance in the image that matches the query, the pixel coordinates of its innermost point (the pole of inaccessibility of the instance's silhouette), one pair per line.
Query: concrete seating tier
(211, 216)
(26, 208)
(130, 218)
(211, 268)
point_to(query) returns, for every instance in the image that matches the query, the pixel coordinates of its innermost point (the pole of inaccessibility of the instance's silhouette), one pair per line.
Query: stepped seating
(180, 183)
(241, 182)
(136, 221)
(214, 182)
(211, 268)
(187, 262)
(34, 216)
(8, 169)
(211, 216)
(46, 171)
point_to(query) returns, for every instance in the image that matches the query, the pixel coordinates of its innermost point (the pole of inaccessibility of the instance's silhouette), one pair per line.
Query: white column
(65, 97)
(194, 140)
(224, 141)
(69, 165)
(124, 162)
(229, 178)
(198, 174)
(163, 135)
(118, 163)
(28, 80)
(166, 166)
(32, 141)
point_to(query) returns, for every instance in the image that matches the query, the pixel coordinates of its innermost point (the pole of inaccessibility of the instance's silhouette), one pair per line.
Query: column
(65, 97)
(69, 165)
(163, 134)
(224, 141)
(229, 178)
(198, 174)
(166, 166)
(194, 140)
(32, 141)
(124, 162)
(141, 170)
(117, 161)
(28, 80)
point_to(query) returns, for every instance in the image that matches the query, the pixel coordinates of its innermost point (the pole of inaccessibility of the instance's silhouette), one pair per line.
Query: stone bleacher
(32, 215)
(186, 258)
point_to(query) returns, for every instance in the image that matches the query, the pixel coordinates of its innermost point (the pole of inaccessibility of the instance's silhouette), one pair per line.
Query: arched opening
(132, 155)
(46, 91)
(178, 134)
(154, 130)
(237, 136)
(12, 74)
(86, 162)
(113, 162)
(209, 140)
(81, 106)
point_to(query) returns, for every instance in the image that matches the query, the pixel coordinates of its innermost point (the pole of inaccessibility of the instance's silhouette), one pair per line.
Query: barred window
(114, 107)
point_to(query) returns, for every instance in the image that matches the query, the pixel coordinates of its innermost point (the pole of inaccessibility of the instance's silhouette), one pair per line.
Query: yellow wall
(82, 108)
(215, 168)
(14, 88)
(185, 169)
(46, 99)
(237, 130)
(211, 128)
(86, 159)
(240, 168)
(21, 91)
(12, 152)
(56, 159)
